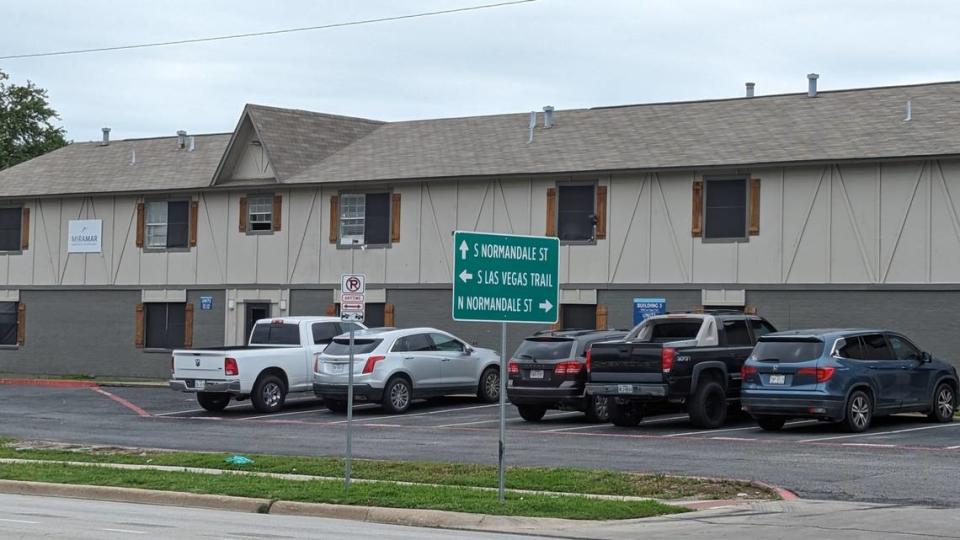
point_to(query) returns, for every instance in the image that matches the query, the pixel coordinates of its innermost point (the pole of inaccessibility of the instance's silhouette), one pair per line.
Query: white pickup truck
(277, 359)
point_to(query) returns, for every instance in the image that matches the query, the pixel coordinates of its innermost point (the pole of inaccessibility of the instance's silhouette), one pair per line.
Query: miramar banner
(84, 236)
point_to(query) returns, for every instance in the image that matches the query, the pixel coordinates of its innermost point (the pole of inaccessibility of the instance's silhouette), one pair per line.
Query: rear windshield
(341, 346)
(787, 352)
(275, 333)
(545, 349)
(666, 330)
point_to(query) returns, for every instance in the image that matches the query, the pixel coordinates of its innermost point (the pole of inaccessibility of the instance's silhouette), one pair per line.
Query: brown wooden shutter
(277, 206)
(334, 218)
(601, 317)
(194, 218)
(696, 228)
(25, 228)
(331, 310)
(395, 218)
(243, 214)
(754, 207)
(388, 314)
(138, 333)
(188, 326)
(551, 212)
(601, 213)
(140, 224)
(21, 323)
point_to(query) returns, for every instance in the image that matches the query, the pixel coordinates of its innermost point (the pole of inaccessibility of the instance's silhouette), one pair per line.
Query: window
(850, 348)
(346, 327)
(665, 330)
(737, 334)
(575, 214)
(364, 219)
(275, 333)
(726, 209)
(8, 323)
(545, 349)
(341, 346)
(10, 220)
(446, 343)
(260, 213)
(786, 351)
(416, 342)
(761, 328)
(167, 224)
(903, 349)
(875, 348)
(165, 325)
(582, 316)
(323, 333)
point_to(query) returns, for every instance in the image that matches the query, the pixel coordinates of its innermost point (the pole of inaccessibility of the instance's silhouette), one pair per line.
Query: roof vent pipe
(106, 137)
(812, 84)
(750, 87)
(181, 139)
(548, 116)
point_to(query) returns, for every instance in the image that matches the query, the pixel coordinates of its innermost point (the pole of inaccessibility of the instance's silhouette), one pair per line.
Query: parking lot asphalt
(901, 459)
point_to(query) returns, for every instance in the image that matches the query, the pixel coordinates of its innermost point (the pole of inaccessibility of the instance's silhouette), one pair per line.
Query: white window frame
(255, 207)
(157, 224)
(353, 214)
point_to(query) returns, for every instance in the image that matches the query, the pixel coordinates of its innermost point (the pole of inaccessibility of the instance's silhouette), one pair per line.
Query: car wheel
(859, 412)
(708, 405)
(336, 405)
(489, 389)
(598, 409)
(397, 395)
(269, 393)
(531, 413)
(213, 401)
(944, 404)
(771, 423)
(624, 414)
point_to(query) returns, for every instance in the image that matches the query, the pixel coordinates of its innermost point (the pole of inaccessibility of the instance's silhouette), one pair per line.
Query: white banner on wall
(84, 236)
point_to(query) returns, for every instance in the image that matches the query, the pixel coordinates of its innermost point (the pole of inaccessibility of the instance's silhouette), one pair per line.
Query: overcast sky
(566, 53)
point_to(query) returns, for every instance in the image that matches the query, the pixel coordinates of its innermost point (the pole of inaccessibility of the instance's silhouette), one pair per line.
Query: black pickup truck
(687, 359)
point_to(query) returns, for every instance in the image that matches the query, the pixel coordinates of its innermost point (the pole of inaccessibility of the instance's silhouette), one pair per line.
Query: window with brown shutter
(334, 218)
(25, 229)
(601, 317)
(388, 315)
(696, 228)
(194, 215)
(601, 214)
(21, 324)
(754, 209)
(395, 218)
(243, 214)
(188, 325)
(138, 332)
(331, 310)
(277, 205)
(141, 220)
(551, 229)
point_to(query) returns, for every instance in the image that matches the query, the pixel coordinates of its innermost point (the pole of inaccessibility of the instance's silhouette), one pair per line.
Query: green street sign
(505, 278)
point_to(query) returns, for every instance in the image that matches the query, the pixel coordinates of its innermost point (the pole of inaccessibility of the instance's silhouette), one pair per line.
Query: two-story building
(837, 208)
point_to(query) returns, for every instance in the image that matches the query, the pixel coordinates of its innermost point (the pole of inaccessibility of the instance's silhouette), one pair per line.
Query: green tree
(26, 129)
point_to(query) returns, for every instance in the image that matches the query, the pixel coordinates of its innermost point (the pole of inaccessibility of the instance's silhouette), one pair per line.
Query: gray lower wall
(620, 303)
(208, 326)
(310, 301)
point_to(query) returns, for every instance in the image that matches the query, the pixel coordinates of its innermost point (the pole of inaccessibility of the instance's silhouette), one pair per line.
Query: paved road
(901, 460)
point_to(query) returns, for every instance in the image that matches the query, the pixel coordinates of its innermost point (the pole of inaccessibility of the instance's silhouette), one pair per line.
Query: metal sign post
(505, 278)
(352, 307)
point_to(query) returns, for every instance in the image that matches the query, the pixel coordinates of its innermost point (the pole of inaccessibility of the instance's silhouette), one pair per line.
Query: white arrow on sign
(466, 276)
(463, 250)
(546, 305)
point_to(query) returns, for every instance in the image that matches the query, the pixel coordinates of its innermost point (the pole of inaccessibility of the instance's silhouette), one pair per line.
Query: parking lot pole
(503, 407)
(346, 463)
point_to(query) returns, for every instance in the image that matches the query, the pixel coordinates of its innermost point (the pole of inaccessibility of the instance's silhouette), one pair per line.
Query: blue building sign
(206, 303)
(648, 307)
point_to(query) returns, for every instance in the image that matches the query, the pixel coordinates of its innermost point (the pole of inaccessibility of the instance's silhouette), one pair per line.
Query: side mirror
(468, 351)
(925, 357)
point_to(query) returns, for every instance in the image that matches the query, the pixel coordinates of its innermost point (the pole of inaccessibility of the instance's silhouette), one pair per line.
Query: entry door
(253, 311)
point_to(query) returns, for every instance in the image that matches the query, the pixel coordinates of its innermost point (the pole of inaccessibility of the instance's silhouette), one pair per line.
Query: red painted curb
(56, 383)
(783, 493)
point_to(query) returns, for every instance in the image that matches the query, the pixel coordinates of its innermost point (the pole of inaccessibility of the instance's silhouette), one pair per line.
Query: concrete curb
(55, 383)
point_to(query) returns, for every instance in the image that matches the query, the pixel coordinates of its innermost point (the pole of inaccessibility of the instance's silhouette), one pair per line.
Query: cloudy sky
(566, 53)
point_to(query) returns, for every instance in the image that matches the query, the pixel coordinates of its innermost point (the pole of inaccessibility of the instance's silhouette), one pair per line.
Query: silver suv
(394, 367)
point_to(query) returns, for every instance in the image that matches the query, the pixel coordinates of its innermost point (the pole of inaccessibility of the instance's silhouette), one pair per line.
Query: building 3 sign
(505, 278)
(644, 308)
(84, 236)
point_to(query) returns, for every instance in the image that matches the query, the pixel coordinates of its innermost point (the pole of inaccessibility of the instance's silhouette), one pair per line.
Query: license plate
(337, 369)
(778, 379)
(199, 384)
(536, 373)
(624, 389)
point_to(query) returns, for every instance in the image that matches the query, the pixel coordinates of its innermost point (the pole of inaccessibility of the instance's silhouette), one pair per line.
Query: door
(887, 372)
(252, 312)
(919, 374)
(416, 354)
(458, 369)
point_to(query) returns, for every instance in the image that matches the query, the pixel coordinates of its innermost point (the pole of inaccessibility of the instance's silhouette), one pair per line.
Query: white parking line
(509, 420)
(711, 431)
(868, 445)
(126, 531)
(274, 415)
(19, 521)
(398, 417)
(234, 408)
(653, 421)
(877, 433)
(952, 448)
(731, 439)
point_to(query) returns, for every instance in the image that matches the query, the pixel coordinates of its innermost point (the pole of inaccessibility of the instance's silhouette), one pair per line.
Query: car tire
(771, 423)
(859, 412)
(598, 409)
(708, 405)
(213, 401)
(397, 395)
(624, 414)
(269, 394)
(335, 405)
(489, 388)
(531, 413)
(944, 404)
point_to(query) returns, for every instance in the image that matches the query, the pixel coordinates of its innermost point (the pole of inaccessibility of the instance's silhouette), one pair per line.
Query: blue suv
(846, 376)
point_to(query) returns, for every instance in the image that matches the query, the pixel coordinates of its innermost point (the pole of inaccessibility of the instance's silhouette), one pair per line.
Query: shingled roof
(307, 147)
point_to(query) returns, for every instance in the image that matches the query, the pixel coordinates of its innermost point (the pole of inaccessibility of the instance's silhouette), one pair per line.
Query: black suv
(549, 371)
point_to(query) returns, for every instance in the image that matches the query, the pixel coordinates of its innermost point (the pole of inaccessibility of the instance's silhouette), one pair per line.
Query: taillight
(568, 367)
(513, 368)
(747, 371)
(372, 363)
(666, 358)
(588, 361)
(823, 374)
(230, 366)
